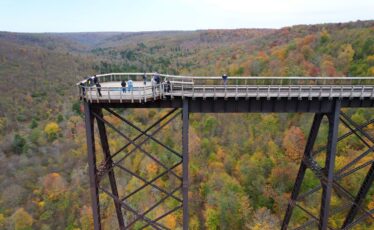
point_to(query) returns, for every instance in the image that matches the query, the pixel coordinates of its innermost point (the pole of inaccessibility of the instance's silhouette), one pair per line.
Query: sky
(155, 15)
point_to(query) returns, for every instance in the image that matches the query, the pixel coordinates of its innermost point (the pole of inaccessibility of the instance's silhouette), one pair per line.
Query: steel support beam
(109, 163)
(364, 189)
(185, 117)
(303, 166)
(89, 121)
(328, 171)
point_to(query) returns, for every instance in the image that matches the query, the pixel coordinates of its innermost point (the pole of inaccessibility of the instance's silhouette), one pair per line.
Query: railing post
(193, 91)
(341, 91)
(236, 90)
(182, 91)
(120, 95)
(109, 95)
(145, 98)
(161, 91)
(171, 91)
(97, 94)
(90, 89)
(352, 90)
(247, 94)
(331, 88)
(362, 92)
(132, 96)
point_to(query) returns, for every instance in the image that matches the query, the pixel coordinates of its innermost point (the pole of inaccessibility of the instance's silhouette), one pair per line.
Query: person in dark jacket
(123, 84)
(95, 79)
(144, 79)
(168, 86)
(83, 88)
(98, 87)
(224, 78)
(157, 78)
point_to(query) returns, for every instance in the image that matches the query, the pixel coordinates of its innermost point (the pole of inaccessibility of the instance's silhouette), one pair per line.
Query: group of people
(129, 85)
(91, 81)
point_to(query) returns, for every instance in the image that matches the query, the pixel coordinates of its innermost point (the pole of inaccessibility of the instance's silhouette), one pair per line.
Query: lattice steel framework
(329, 177)
(128, 215)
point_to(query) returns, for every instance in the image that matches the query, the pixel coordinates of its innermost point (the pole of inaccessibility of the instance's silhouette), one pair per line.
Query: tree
(2, 221)
(325, 36)
(263, 220)
(327, 67)
(294, 143)
(33, 124)
(345, 57)
(19, 144)
(76, 107)
(53, 185)
(22, 220)
(52, 129)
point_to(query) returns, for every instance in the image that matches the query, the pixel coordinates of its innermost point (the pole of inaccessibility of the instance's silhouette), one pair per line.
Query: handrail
(167, 76)
(202, 86)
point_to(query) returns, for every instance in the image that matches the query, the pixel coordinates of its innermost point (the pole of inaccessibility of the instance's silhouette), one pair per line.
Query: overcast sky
(152, 15)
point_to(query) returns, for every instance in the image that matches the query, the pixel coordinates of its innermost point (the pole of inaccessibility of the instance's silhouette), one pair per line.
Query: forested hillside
(242, 166)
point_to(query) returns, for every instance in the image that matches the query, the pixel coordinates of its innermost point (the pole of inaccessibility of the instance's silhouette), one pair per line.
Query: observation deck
(211, 94)
(323, 96)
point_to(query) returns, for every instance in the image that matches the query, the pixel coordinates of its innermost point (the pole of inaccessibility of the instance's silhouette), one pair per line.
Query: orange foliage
(53, 184)
(294, 143)
(170, 221)
(152, 168)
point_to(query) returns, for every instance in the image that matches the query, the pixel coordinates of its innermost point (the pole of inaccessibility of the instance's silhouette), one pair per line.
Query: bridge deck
(236, 88)
(112, 91)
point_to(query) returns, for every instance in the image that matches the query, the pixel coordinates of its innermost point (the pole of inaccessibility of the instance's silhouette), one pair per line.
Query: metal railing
(238, 87)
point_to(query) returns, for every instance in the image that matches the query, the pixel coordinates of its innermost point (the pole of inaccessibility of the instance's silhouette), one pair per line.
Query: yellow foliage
(2, 220)
(216, 166)
(220, 154)
(22, 219)
(52, 128)
(370, 59)
(371, 71)
(41, 204)
(3, 122)
(280, 53)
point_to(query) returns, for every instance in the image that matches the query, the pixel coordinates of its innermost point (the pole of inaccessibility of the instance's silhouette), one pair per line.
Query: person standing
(153, 82)
(83, 88)
(130, 85)
(144, 79)
(98, 87)
(224, 78)
(168, 86)
(123, 84)
(95, 79)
